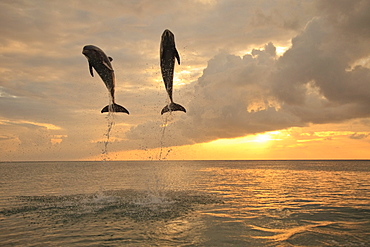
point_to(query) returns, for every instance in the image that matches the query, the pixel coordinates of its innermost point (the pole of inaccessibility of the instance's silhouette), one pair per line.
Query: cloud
(230, 80)
(311, 83)
(230, 99)
(359, 136)
(5, 138)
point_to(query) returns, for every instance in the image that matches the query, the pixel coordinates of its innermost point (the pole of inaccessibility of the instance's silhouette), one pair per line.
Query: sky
(287, 79)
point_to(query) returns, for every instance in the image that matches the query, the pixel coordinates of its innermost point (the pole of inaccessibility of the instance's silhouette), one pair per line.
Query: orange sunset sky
(264, 79)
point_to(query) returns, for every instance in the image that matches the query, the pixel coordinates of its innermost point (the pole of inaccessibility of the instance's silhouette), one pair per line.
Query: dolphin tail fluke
(114, 108)
(173, 107)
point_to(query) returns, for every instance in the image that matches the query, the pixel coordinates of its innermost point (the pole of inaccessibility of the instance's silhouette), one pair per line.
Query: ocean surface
(185, 203)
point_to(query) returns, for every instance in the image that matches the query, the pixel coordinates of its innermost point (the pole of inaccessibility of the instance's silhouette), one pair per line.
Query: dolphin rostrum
(168, 53)
(102, 64)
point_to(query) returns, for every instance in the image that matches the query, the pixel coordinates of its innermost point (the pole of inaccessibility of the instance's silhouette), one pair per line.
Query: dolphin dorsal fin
(177, 56)
(91, 69)
(110, 59)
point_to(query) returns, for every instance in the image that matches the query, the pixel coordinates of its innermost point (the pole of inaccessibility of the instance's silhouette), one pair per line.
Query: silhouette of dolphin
(101, 63)
(168, 53)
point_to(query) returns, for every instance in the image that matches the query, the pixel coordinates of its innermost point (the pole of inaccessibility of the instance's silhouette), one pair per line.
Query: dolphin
(102, 64)
(168, 53)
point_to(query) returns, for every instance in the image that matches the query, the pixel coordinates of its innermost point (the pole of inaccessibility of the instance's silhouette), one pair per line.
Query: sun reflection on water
(286, 205)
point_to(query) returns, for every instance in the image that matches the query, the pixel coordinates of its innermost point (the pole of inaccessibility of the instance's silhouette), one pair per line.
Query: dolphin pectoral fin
(114, 108)
(173, 107)
(110, 59)
(91, 70)
(177, 56)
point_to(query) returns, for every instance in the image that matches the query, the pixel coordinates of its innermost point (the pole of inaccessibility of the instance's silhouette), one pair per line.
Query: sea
(185, 203)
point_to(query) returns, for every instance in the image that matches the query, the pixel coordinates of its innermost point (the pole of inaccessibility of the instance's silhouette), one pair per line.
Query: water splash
(107, 205)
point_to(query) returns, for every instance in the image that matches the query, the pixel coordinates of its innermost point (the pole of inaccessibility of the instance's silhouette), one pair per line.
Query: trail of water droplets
(110, 124)
(167, 118)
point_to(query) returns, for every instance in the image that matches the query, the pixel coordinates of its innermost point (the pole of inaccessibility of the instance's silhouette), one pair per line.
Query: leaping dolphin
(168, 53)
(102, 64)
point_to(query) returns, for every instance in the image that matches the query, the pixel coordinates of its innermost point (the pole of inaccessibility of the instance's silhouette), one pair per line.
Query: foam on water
(137, 205)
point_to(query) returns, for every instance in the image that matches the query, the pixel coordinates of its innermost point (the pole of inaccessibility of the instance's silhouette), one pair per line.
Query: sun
(257, 138)
(261, 138)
